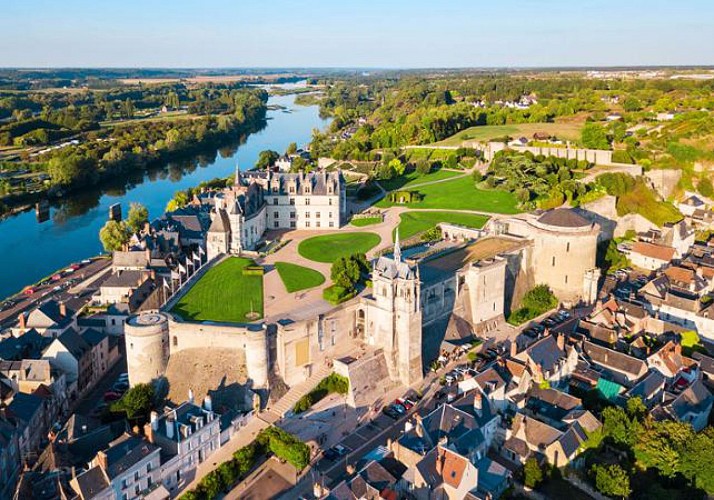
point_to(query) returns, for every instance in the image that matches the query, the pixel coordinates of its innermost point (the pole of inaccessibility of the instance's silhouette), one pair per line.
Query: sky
(355, 33)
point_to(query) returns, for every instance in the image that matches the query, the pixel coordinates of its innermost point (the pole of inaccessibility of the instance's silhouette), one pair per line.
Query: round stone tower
(147, 346)
(256, 357)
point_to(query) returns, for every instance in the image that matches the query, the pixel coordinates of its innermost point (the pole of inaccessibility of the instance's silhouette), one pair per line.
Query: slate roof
(91, 483)
(130, 259)
(392, 269)
(74, 343)
(125, 452)
(25, 406)
(694, 399)
(545, 353)
(93, 337)
(48, 315)
(648, 387)
(563, 217)
(614, 360)
(28, 345)
(220, 223)
(125, 279)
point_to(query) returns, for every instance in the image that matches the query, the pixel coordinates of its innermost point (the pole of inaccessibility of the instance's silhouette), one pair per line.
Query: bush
(622, 156)
(537, 301)
(611, 480)
(616, 184)
(332, 383)
(532, 473)
(285, 446)
(336, 294)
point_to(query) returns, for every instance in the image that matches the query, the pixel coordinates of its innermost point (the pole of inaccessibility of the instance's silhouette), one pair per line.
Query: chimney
(102, 460)
(350, 469)
(21, 320)
(417, 425)
(560, 339)
(440, 460)
(514, 348)
(208, 403)
(63, 309)
(84, 429)
(155, 420)
(170, 426)
(678, 349)
(478, 402)
(149, 432)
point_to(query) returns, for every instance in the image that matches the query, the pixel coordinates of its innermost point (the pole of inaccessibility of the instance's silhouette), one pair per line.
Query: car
(336, 452)
(120, 387)
(85, 262)
(111, 396)
(404, 403)
(75, 267)
(29, 290)
(123, 377)
(391, 412)
(450, 378)
(399, 408)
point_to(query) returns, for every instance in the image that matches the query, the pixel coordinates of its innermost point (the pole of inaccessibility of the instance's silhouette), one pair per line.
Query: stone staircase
(285, 404)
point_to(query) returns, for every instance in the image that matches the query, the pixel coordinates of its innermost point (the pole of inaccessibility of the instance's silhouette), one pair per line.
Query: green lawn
(412, 178)
(365, 221)
(461, 194)
(296, 278)
(223, 294)
(330, 247)
(569, 131)
(416, 222)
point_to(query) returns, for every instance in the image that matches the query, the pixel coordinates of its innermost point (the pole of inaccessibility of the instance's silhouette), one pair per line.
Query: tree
(532, 473)
(705, 187)
(477, 176)
(172, 100)
(292, 149)
(114, 235)
(423, 167)
(266, 159)
(397, 166)
(593, 136)
(617, 426)
(137, 401)
(636, 409)
(136, 218)
(127, 108)
(611, 480)
(631, 104)
(345, 272)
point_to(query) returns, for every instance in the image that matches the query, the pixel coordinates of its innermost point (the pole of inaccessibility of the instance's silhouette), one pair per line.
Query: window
(292, 224)
(292, 189)
(292, 215)
(553, 260)
(307, 201)
(566, 279)
(330, 201)
(317, 214)
(175, 340)
(148, 467)
(276, 214)
(307, 223)
(307, 214)
(332, 224)
(317, 224)
(329, 214)
(275, 201)
(149, 482)
(276, 224)
(137, 489)
(136, 476)
(292, 201)
(567, 248)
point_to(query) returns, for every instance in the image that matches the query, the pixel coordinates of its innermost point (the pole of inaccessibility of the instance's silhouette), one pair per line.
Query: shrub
(332, 383)
(336, 294)
(285, 446)
(532, 473)
(537, 301)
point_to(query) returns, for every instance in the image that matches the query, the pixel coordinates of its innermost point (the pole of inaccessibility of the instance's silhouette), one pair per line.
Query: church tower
(396, 318)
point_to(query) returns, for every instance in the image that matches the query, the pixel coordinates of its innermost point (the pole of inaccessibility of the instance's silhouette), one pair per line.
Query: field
(330, 247)
(460, 194)
(413, 178)
(416, 222)
(223, 294)
(296, 278)
(566, 130)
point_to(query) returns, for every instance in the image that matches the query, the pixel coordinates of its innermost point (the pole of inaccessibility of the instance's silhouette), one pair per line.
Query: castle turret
(147, 347)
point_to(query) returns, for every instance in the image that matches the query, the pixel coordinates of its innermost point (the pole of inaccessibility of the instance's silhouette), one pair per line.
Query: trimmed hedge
(253, 271)
(271, 440)
(331, 383)
(336, 294)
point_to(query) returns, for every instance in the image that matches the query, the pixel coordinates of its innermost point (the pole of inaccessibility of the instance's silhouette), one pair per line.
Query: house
(692, 406)
(187, 435)
(690, 205)
(620, 367)
(650, 389)
(29, 412)
(127, 287)
(444, 474)
(49, 319)
(547, 358)
(550, 405)
(669, 361)
(27, 345)
(10, 456)
(125, 470)
(650, 256)
(665, 116)
(529, 436)
(131, 260)
(104, 352)
(71, 354)
(374, 480)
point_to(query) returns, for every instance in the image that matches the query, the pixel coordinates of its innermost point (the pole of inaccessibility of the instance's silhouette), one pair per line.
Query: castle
(263, 200)
(415, 304)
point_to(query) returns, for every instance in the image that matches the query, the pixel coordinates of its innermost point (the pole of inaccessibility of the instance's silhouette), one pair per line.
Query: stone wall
(664, 181)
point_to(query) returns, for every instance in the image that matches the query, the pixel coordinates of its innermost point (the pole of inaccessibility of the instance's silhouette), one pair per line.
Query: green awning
(608, 389)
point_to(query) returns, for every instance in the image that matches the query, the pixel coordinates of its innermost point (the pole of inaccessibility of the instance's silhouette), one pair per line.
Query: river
(31, 250)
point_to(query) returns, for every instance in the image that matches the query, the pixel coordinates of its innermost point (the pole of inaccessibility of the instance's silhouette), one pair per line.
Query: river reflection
(31, 250)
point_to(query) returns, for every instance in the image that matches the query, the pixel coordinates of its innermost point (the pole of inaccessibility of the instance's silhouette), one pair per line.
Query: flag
(175, 275)
(200, 251)
(166, 284)
(181, 268)
(196, 257)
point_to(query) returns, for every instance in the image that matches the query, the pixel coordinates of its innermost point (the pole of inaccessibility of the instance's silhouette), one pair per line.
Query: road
(49, 290)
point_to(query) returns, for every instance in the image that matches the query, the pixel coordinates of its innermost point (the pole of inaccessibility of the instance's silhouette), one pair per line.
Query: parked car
(111, 396)
(336, 452)
(404, 403)
(123, 377)
(391, 412)
(120, 387)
